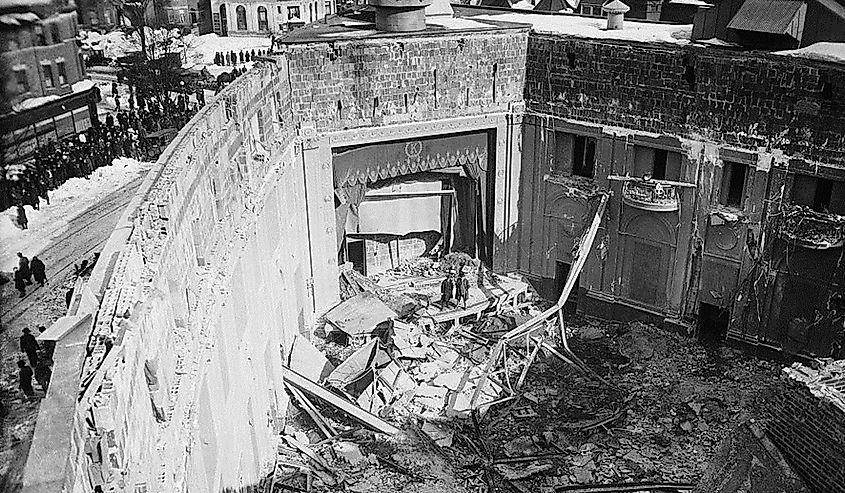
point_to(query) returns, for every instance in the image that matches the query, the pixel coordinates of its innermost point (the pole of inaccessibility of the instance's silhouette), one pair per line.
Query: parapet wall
(350, 84)
(807, 423)
(195, 299)
(747, 99)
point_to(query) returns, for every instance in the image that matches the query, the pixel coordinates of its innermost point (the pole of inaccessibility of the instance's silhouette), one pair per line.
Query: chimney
(615, 14)
(400, 16)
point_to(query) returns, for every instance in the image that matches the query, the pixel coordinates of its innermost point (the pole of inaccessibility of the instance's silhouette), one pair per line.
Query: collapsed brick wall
(746, 99)
(809, 429)
(354, 84)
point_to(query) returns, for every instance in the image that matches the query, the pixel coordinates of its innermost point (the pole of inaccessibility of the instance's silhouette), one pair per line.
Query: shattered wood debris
(498, 396)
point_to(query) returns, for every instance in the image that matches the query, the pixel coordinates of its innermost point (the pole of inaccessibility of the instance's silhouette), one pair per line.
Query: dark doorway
(712, 324)
(356, 252)
(561, 273)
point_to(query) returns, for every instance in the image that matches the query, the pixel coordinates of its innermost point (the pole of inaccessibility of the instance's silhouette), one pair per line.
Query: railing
(650, 195)
(814, 230)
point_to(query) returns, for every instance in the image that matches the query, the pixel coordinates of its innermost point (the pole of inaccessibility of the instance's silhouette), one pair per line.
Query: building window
(660, 164)
(47, 70)
(39, 33)
(328, 7)
(819, 194)
(240, 14)
(293, 13)
(194, 18)
(575, 154)
(584, 156)
(81, 64)
(93, 19)
(279, 9)
(60, 69)
(54, 32)
(22, 80)
(262, 19)
(732, 192)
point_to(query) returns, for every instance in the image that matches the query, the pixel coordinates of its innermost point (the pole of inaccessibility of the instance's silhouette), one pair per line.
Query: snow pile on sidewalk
(67, 202)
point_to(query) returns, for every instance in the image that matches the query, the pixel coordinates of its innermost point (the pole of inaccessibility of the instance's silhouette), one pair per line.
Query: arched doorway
(240, 13)
(263, 25)
(224, 28)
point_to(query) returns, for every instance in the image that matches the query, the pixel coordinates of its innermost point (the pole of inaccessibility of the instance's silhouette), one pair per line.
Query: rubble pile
(652, 408)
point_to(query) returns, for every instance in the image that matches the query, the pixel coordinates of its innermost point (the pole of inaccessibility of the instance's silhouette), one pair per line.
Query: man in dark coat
(461, 289)
(25, 379)
(22, 220)
(20, 284)
(36, 266)
(29, 346)
(43, 374)
(23, 267)
(446, 288)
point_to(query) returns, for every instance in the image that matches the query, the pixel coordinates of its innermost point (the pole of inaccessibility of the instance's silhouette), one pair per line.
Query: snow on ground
(198, 49)
(588, 27)
(826, 52)
(201, 49)
(66, 203)
(456, 23)
(523, 5)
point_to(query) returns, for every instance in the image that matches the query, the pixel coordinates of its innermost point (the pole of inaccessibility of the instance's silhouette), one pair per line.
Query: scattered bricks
(807, 422)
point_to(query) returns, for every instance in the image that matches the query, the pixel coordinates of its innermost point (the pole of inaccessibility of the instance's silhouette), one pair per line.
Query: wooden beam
(309, 408)
(370, 420)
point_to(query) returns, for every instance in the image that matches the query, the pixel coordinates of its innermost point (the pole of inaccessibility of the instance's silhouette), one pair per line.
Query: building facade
(262, 18)
(45, 97)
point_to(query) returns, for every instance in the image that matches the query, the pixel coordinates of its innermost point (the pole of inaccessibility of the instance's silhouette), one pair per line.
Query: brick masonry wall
(810, 433)
(354, 84)
(178, 381)
(746, 99)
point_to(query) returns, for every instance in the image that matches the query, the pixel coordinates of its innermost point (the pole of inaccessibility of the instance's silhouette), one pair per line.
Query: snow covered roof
(30, 103)
(825, 51)
(587, 27)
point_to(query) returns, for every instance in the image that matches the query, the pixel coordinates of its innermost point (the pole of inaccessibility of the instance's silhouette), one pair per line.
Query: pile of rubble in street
(385, 399)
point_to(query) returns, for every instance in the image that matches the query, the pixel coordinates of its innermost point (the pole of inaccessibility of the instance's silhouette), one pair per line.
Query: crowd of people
(232, 58)
(122, 134)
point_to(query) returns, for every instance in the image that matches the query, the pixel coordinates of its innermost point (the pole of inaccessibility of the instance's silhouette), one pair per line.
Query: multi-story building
(253, 17)
(192, 14)
(97, 14)
(46, 96)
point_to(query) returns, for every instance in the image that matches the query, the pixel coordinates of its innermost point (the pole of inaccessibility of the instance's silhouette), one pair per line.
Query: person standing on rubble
(446, 289)
(461, 289)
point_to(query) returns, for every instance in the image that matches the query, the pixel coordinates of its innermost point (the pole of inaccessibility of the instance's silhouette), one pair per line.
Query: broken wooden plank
(309, 408)
(326, 477)
(311, 388)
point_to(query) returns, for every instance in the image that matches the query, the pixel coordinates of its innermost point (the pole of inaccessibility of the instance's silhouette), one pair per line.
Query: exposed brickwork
(748, 99)
(365, 83)
(809, 428)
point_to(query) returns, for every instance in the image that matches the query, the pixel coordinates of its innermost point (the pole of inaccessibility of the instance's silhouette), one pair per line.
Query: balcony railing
(810, 229)
(650, 195)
